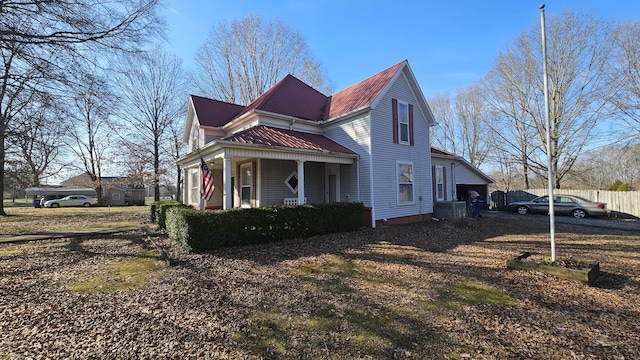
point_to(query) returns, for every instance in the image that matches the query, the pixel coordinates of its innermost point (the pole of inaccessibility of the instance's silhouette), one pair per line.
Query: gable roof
(270, 136)
(363, 93)
(448, 155)
(214, 113)
(292, 97)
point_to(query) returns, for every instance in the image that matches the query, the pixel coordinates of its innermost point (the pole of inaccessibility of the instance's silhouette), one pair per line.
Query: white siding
(466, 176)
(385, 154)
(355, 135)
(275, 172)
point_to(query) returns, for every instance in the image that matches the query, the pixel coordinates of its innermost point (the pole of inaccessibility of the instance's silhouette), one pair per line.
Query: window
(439, 183)
(245, 185)
(403, 122)
(405, 182)
(115, 196)
(195, 190)
(194, 137)
(292, 182)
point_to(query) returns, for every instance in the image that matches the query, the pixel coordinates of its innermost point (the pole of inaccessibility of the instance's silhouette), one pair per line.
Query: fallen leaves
(430, 290)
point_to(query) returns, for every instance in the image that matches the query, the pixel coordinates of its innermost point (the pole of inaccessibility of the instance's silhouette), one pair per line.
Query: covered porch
(253, 175)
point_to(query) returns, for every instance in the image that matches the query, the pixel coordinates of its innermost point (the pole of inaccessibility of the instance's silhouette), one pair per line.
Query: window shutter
(411, 124)
(433, 181)
(394, 109)
(444, 182)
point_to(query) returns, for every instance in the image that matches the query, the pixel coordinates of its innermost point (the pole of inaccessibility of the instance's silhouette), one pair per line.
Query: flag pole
(201, 204)
(552, 219)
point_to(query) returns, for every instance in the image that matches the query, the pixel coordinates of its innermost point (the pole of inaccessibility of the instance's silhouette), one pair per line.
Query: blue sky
(449, 44)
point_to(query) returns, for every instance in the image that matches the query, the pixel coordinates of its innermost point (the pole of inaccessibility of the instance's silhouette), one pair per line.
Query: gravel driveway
(606, 223)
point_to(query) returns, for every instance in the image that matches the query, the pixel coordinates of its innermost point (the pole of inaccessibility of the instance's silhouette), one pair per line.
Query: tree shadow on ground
(607, 280)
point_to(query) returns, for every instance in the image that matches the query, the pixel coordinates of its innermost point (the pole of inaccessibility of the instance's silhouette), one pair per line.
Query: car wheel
(86, 205)
(579, 214)
(522, 210)
(55, 205)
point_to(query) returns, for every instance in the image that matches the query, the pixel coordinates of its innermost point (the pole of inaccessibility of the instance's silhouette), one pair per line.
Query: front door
(332, 183)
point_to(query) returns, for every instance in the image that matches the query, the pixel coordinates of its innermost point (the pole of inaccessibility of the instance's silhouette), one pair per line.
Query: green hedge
(159, 211)
(203, 230)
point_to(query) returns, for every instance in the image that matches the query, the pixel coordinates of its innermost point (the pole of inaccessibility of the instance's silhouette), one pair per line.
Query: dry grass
(29, 220)
(420, 291)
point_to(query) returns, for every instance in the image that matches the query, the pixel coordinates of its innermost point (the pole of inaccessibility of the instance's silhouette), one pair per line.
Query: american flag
(206, 181)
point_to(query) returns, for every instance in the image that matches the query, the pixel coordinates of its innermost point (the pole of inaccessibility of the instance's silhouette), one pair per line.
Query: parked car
(72, 200)
(562, 204)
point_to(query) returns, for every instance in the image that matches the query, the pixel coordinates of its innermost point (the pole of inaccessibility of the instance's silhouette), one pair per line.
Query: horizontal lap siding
(385, 154)
(275, 172)
(314, 182)
(354, 135)
(463, 175)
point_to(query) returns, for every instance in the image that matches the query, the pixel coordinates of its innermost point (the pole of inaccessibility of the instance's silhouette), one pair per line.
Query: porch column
(186, 185)
(227, 192)
(300, 182)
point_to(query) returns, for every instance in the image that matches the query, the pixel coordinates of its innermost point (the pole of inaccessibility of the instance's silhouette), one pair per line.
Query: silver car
(562, 204)
(72, 200)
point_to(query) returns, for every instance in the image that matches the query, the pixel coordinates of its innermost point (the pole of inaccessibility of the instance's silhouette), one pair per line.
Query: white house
(367, 143)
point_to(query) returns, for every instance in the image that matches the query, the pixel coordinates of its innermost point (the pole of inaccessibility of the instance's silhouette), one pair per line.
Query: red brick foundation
(404, 219)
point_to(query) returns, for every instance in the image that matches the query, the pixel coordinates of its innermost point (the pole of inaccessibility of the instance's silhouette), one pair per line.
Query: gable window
(439, 179)
(405, 182)
(246, 183)
(194, 137)
(402, 122)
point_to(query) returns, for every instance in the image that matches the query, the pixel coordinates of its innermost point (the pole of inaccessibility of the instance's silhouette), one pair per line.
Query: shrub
(202, 230)
(620, 186)
(159, 211)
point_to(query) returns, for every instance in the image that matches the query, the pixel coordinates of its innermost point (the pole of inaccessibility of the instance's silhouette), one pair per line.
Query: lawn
(30, 220)
(420, 291)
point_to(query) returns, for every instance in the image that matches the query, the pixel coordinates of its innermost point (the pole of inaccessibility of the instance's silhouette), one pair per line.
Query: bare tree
(40, 40)
(508, 88)
(463, 124)
(87, 134)
(243, 59)
(153, 93)
(578, 52)
(601, 167)
(625, 75)
(176, 149)
(36, 140)
(473, 124)
(443, 135)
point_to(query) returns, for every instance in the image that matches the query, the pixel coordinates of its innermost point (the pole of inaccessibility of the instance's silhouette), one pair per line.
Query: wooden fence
(620, 203)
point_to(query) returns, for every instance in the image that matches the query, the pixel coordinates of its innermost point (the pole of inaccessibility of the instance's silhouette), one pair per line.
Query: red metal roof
(269, 136)
(290, 96)
(363, 93)
(213, 112)
(435, 150)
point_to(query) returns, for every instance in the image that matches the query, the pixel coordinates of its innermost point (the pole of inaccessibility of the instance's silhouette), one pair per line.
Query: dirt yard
(437, 290)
